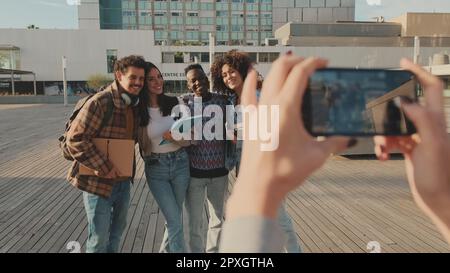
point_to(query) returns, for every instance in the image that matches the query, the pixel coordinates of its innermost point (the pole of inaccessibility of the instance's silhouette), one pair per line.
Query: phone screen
(352, 102)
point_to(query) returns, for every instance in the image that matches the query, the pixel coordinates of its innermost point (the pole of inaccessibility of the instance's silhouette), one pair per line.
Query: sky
(63, 14)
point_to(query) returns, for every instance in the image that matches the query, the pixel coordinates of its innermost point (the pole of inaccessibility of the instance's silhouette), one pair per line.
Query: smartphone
(358, 102)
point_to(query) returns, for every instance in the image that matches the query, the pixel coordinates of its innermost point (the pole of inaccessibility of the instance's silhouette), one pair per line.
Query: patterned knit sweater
(207, 157)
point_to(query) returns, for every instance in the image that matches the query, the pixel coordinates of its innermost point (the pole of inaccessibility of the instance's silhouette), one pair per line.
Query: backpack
(80, 104)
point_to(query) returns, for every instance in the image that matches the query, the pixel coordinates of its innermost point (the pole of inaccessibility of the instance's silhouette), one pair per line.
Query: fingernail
(289, 53)
(352, 143)
(398, 102)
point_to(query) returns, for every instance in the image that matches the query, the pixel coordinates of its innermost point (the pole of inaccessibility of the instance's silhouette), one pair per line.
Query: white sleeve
(251, 235)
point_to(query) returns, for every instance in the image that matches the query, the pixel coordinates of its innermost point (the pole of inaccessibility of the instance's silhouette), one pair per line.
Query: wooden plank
(18, 218)
(134, 217)
(59, 241)
(80, 227)
(142, 226)
(374, 218)
(386, 217)
(30, 234)
(150, 235)
(56, 225)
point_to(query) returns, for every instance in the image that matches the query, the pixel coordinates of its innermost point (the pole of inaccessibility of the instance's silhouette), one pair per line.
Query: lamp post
(64, 68)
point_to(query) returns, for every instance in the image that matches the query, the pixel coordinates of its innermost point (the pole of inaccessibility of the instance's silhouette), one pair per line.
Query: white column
(12, 83)
(34, 84)
(212, 48)
(416, 49)
(64, 67)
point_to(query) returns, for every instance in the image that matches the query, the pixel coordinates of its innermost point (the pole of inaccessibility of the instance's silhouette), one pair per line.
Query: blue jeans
(291, 244)
(215, 190)
(168, 179)
(107, 218)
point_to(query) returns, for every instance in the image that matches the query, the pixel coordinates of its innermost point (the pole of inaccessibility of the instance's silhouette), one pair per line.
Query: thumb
(417, 115)
(249, 91)
(335, 145)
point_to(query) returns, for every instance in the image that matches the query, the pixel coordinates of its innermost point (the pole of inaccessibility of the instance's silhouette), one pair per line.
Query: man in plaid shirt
(106, 195)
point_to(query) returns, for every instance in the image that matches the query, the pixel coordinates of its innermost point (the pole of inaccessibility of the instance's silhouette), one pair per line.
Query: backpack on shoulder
(80, 104)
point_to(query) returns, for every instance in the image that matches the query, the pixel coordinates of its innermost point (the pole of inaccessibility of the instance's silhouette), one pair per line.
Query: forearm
(254, 198)
(85, 152)
(439, 213)
(183, 143)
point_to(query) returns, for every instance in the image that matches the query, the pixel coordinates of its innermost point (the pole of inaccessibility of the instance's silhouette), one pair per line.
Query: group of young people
(184, 175)
(189, 175)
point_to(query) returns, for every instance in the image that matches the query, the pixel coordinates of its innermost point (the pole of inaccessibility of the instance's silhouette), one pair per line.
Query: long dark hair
(165, 103)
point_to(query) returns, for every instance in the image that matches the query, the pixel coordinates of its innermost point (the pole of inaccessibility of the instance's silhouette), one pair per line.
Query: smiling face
(133, 80)
(197, 82)
(232, 78)
(155, 82)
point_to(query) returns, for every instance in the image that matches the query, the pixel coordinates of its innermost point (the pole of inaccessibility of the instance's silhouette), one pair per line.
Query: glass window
(263, 57)
(253, 56)
(204, 57)
(111, 58)
(446, 87)
(179, 57)
(273, 56)
(194, 57)
(9, 59)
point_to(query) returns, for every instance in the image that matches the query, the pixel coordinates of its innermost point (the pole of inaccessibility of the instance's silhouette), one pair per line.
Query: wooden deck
(346, 205)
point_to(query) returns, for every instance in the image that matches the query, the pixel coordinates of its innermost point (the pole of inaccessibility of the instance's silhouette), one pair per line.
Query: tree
(4, 61)
(32, 27)
(98, 80)
(188, 43)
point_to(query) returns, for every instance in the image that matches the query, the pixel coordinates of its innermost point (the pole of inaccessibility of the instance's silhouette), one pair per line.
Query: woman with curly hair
(228, 74)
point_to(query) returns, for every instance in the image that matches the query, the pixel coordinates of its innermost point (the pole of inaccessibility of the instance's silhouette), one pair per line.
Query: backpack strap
(109, 112)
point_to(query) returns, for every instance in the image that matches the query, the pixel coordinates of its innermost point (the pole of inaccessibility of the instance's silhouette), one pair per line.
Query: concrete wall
(443, 42)
(41, 51)
(425, 24)
(342, 29)
(351, 57)
(366, 57)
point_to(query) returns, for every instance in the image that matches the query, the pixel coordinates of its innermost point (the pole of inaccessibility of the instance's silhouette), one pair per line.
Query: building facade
(41, 51)
(312, 11)
(189, 22)
(344, 44)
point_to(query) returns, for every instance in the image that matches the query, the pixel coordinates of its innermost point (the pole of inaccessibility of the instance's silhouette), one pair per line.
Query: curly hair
(123, 64)
(238, 60)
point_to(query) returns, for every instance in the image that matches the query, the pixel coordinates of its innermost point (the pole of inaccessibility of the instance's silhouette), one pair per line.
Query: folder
(120, 152)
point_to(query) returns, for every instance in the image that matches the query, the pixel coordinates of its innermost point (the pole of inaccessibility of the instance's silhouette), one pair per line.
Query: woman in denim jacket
(166, 161)
(228, 74)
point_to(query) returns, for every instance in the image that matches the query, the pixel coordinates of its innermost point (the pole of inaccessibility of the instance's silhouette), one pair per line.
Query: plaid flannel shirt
(85, 127)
